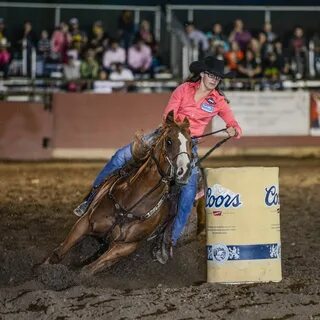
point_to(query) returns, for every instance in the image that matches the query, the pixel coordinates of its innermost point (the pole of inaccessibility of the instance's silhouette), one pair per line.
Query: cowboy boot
(82, 208)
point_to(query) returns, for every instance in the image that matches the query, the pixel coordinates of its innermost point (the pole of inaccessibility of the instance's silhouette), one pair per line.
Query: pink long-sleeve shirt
(200, 113)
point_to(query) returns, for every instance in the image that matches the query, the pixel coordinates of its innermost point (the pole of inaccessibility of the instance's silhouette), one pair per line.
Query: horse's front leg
(116, 251)
(80, 229)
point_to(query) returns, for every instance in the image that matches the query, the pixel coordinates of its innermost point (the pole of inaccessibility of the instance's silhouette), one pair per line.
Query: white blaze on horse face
(182, 159)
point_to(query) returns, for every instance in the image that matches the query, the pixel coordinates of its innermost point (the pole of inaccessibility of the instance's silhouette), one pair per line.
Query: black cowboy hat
(212, 65)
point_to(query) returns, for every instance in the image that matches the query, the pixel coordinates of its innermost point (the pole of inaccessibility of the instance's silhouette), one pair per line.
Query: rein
(216, 146)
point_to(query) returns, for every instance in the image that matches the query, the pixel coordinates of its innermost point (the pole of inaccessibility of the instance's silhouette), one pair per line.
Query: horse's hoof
(87, 271)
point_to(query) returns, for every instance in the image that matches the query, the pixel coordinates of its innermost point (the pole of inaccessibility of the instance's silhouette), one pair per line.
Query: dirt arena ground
(36, 202)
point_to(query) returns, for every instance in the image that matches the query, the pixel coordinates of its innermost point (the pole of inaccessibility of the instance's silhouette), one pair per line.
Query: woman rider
(199, 99)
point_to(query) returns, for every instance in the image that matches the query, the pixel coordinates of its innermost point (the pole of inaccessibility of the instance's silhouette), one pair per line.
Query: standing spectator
(114, 54)
(3, 33)
(139, 57)
(27, 43)
(44, 46)
(249, 67)
(89, 67)
(316, 42)
(241, 36)
(79, 38)
(43, 51)
(126, 28)
(233, 57)
(299, 52)
(217, 38)
(4, 57)
(60, 42)
(121, 73)
(100, 40)
(265, 46)
(197, 38)
(267, 28)
(147, 36)
(282, 59)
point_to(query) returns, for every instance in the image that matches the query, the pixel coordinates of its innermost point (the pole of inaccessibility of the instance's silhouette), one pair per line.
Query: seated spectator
(298, 50)
(44, 46)
(114, 54)
(89, 66)
(233, 57)
(60, 42)
(241, 36)
(121, 73)
(271, 67)
(4, 58)
(102, 85)
(99, 41)
(197, 38)
(249, 67)
(71, 69)
(267, 28)
(217, 38)
(79, 38)
(139, 57)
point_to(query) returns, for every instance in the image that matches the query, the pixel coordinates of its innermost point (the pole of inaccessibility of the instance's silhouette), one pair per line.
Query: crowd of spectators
(259, 55)
(131, 53)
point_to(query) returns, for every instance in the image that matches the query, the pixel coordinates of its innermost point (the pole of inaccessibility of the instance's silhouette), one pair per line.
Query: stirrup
(81, 209)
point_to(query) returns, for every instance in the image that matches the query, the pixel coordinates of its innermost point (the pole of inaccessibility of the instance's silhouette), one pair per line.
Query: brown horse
(132, 203)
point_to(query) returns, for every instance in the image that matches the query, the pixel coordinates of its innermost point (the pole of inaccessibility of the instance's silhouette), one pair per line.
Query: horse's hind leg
(80, 229)
(116, 251)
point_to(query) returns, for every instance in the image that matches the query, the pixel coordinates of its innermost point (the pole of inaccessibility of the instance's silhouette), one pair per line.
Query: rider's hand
(232, 132)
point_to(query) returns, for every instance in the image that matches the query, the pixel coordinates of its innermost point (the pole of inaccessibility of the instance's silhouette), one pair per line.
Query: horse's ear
(170, 118)
(186, 123)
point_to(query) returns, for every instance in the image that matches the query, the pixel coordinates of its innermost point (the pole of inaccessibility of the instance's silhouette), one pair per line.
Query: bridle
(171, 175)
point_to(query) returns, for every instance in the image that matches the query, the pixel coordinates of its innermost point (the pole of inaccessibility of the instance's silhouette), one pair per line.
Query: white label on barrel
(219, 197)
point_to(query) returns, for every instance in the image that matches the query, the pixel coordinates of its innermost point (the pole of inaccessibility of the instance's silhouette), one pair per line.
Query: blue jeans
(187, 193)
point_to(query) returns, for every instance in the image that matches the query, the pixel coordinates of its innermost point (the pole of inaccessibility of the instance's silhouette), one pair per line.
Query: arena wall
(25, 131)
(93, 126)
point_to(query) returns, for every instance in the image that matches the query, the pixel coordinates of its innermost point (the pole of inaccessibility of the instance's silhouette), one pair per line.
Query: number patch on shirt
(207, 107)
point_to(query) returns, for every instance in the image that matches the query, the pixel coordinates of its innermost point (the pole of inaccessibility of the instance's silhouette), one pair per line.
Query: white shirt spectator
(111, 56)
(71, 70)
(123, 75)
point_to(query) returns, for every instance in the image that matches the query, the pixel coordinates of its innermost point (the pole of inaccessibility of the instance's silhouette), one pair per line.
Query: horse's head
(178, 148)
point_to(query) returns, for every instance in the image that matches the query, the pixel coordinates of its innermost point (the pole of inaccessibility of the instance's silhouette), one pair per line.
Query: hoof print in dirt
(56, 277)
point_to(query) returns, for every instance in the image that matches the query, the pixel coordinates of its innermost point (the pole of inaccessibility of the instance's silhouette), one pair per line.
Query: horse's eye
(169, 142)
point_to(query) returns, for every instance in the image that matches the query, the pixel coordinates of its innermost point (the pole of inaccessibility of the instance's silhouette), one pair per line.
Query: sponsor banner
(315, 114)
(270, 113)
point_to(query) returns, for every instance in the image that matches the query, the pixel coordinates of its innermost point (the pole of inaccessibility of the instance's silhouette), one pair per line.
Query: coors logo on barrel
(219, 197)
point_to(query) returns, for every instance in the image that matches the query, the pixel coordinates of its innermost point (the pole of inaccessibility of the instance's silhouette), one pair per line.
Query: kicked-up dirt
(36, 203)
